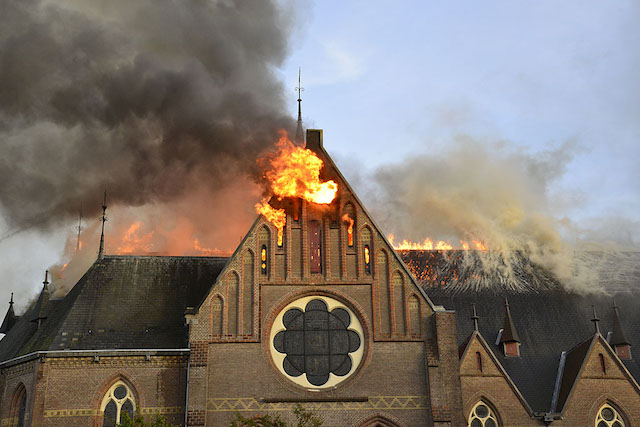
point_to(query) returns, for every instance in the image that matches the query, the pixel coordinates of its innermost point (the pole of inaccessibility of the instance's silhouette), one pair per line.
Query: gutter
(95, 353)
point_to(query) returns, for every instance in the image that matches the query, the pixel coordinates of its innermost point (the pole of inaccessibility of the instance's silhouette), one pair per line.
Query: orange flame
(133, 240)
(429, 245)
(276, 216)
(293, 171)
(347, 219)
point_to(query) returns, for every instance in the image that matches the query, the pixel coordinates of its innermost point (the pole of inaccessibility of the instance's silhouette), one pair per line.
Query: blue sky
(401, 77)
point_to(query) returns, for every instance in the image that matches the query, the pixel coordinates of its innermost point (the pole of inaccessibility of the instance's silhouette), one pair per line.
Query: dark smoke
(146, 99)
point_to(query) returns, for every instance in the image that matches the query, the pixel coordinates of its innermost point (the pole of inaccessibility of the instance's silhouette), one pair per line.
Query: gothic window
(479, 360)
(603, 366)
(117, 403)
(608, 416)
(367, 259)
(263, 259)
(349, 220)
(482, 416)
(317, 342)
(19, 407)
(217, 316)
(315, 247)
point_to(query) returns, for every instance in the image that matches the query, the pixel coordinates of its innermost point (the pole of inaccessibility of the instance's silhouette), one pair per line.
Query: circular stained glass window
(317, 342)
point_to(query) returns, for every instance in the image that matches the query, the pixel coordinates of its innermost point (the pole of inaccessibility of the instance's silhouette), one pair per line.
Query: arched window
(19, 406)
(116, 403)
(608, 416)
(482, 416)
(603, 367)
(479, 360)
(263, 259)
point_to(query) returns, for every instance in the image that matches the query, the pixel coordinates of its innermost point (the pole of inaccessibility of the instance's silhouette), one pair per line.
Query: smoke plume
(497, 194)
(148, 99)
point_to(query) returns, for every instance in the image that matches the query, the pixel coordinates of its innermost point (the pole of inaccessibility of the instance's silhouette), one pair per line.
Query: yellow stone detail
(374, 402)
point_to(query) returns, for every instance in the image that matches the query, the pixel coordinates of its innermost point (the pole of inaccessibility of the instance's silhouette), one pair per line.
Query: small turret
(10, 318)
(39, 312)
(618, 339)
(509, 338)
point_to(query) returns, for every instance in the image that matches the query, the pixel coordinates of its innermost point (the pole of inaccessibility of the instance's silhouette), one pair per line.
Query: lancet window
(117, 404)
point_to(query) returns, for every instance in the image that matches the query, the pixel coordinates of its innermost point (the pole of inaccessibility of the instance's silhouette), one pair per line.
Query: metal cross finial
(79, 228)
(46, 278)
(595, 319)
(474, 317)
(103, 219)
(11, 301)
(300, 89)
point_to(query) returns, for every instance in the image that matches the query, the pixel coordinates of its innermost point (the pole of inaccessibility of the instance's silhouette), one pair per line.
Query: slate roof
(122, 302)
(549, 319)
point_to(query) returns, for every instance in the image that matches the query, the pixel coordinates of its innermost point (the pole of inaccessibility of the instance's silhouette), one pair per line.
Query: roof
(122, 302)
(549, 318)
(573, 362)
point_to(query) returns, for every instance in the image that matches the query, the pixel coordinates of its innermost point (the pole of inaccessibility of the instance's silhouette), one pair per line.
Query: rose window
(317, 342)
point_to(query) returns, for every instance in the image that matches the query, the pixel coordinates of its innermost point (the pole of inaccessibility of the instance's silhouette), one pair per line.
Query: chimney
(314, 140)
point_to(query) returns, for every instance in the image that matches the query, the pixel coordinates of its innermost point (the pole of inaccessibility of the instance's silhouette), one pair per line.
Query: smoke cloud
(150, 100)
(497, 194)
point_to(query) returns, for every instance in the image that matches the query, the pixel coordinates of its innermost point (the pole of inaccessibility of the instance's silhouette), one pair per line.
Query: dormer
(509, 339)
(617, 338)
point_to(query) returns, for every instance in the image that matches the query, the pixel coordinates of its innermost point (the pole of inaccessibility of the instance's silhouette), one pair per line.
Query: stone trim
(231, 404)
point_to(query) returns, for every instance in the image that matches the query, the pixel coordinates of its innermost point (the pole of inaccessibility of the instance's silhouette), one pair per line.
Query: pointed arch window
(117, 404)
(479, 360)
(263, 259)
(608, 416)
(19, 407)
(483, 416)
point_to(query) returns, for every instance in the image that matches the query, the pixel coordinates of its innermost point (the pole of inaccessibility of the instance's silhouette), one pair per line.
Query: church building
(321, 312)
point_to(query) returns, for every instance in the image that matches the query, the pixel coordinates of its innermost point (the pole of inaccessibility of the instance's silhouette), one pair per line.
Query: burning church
(316, 307)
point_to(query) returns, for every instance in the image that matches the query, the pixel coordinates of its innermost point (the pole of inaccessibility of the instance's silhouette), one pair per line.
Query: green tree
(305, 419)
(139, 421)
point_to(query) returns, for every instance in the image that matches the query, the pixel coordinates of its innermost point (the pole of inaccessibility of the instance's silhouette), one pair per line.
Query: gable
(335, 244)
(482, 374)
(592, 359)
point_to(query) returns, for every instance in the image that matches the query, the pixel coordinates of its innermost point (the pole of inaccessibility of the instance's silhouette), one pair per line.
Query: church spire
(299, 131)
(103, 219)
(474, 317)
(39, 312)
(9, 319)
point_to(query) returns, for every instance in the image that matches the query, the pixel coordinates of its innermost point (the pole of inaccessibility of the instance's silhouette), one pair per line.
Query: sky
(401, 77)
(386, 80)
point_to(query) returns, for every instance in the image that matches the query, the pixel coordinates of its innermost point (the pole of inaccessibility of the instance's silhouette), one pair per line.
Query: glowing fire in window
(349, 221)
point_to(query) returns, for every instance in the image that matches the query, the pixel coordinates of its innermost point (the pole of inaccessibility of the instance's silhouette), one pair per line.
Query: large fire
(293, 171)
(430, 245)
